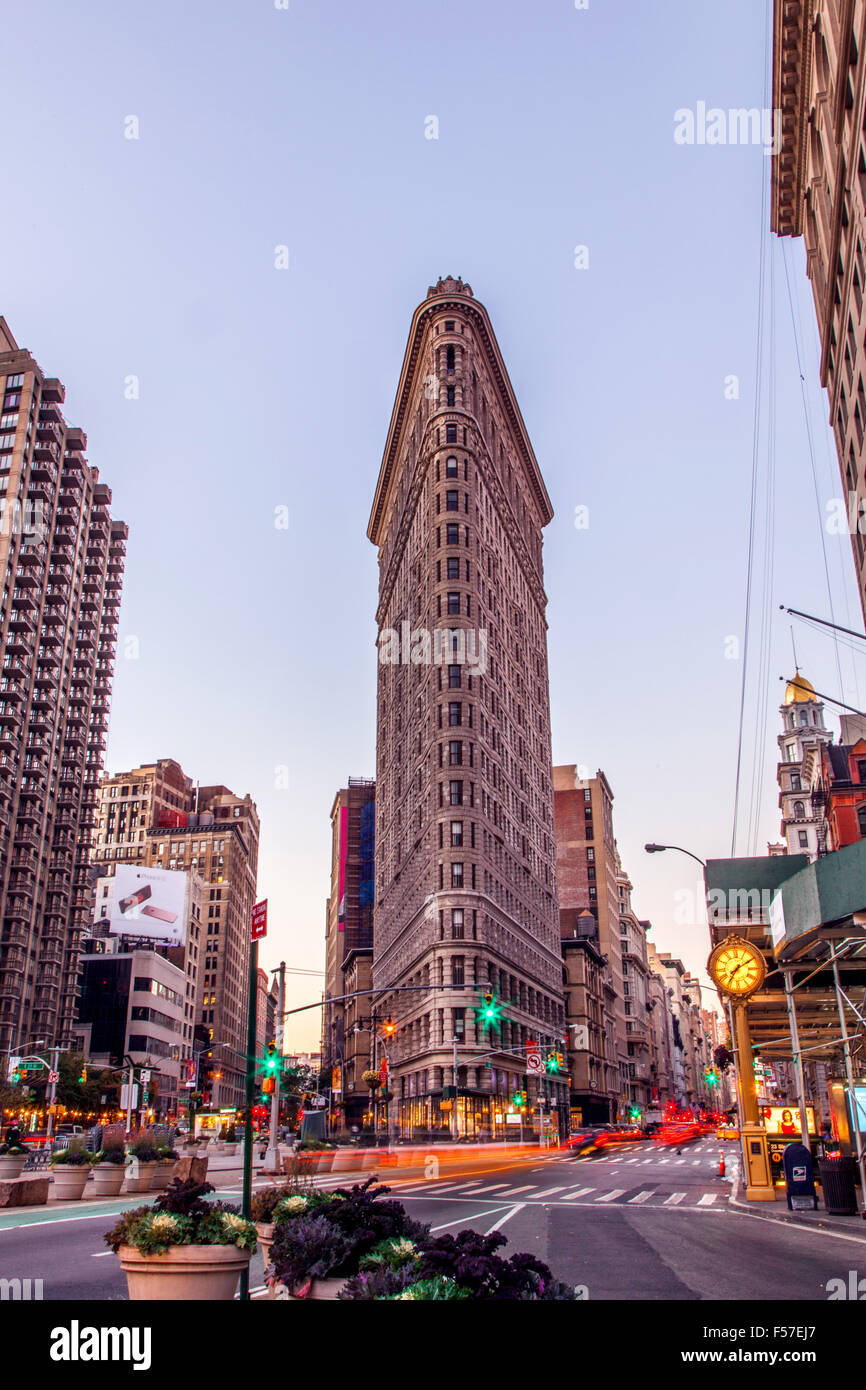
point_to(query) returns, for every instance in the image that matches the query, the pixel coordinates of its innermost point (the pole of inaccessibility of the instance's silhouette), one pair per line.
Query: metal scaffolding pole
(797, 1057)
(849, 1074)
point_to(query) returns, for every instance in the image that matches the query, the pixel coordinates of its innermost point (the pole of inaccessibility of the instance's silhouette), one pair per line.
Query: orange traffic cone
(722, 1164)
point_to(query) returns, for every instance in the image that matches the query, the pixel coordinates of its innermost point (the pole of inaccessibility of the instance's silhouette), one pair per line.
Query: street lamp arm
(657, 849)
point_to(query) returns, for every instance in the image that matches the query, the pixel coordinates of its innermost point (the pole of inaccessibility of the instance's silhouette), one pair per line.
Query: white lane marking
(507, 1217)
(663, 1160)
(707, 1199)
(100, 1254)
(461, 1220)
(641, 1197)
(492, 1187)
(674, 1199)
(549, 1191)
(611, 1196)
(581, 1192)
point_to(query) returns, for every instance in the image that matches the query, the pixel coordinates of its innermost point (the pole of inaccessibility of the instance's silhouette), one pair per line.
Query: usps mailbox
(799, 1178)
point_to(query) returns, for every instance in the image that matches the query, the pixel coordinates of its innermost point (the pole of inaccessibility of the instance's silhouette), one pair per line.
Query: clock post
(738, 969)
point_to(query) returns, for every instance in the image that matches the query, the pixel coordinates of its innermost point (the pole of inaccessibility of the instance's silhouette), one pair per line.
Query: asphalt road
(635, 1223)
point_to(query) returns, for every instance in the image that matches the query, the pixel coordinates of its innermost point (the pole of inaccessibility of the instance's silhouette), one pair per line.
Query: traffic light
(519, 1100)
(271, 1059)
(268, 1086)
(83, 1076)
(555, 1062)
(489, 1011)
(15, 1076)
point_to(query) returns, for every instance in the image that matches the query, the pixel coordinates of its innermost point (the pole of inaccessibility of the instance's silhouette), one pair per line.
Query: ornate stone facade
(465, 855)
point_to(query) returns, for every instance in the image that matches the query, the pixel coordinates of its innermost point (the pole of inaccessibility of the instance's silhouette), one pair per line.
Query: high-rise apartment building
(155, 816)
(61, 557)
(819, 192)
(465, 862)
(348, 1026)
(588, 870)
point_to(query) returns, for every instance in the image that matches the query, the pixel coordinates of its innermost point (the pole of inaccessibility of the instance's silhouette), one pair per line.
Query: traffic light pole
(52, 1091)
(246, 1200)
(272, 1157)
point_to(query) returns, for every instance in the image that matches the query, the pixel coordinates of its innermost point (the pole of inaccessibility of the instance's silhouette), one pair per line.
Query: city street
(638, 1223)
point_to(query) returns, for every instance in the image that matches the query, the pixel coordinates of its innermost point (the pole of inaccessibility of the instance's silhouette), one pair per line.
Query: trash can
(838, 1182)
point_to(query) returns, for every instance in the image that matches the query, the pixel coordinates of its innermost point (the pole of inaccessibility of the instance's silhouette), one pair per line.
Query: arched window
(799, 810)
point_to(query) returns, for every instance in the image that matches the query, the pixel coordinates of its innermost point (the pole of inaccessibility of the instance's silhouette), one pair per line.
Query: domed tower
(803, 729)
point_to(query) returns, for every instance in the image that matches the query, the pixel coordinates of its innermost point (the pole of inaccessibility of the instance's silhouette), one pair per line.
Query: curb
(804, 1221)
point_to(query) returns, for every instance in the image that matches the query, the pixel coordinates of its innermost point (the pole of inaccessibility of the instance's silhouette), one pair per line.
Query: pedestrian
(13, 1136)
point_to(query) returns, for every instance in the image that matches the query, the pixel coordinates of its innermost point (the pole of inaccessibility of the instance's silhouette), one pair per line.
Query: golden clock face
(737, 967)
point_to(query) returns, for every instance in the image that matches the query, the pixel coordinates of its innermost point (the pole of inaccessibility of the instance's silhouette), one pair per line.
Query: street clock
(737, 967)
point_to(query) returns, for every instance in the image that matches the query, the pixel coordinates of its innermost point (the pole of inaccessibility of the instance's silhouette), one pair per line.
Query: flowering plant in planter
(454, 1267)
(111, 1152)
(328, 1236)
(73, 1157)
(11, 1150)
(181, 1216)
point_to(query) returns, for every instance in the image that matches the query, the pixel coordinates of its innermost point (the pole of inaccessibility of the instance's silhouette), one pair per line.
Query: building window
(455, 752)
(453, 568)
(861, 819)
(457, 833)
(456, 875)
(799, 810)
(449, 359)
(452, 533)
(456, 793)
(449, 395)
(450, 434)
(454, 712)
(457, 923)
(453, 677)
(457, 970)
(804, 839)
(453, 602)
(452, 503)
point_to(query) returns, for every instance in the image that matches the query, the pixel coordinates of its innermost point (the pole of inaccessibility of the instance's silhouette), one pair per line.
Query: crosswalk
(634, 1196)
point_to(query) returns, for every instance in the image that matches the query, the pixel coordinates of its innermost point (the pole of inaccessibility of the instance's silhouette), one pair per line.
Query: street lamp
(657, 849)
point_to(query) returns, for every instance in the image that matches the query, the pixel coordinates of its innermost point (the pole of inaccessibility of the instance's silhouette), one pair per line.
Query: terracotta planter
(108, 1179)
(163, 1174)
(139, 1176)
(12, 1165)
(322, 1289)
(204, 1272)
(69, 1181)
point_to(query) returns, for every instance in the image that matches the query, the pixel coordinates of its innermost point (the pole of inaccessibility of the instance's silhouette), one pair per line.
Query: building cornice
(792, 57)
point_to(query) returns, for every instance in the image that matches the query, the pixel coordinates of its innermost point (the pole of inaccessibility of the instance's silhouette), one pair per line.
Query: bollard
(722, 1164)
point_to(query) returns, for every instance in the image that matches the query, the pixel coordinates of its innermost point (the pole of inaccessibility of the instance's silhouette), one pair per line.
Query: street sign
(125, 1102)
(534, 1063)
(259, 921)
(145, 1077)
(53, 1078)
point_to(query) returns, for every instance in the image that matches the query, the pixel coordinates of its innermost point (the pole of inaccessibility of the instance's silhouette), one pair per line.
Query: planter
(69, 1182)
(346, 1160)
(326, 1160)
(12, 1165)
(229, 1150)
(205, 1272)
(163, 1174)
(265, 1234)
(310, 1162)
(108, 1179)
(321, 1289)
(139, 1176)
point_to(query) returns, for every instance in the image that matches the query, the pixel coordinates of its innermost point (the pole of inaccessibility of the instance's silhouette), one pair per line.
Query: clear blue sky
(262, 387)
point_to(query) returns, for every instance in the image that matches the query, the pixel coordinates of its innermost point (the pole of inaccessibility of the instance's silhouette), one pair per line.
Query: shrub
(11, 1150)
(75, 1156)
(181, 1216)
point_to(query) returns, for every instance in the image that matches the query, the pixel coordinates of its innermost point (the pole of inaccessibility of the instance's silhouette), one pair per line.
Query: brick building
(347, 1027)
(465, 864)
(61, 556)
(154, 815)
(588, 872)
(819, 192)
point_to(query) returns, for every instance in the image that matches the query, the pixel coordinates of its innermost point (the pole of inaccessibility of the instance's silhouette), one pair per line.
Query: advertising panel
(784, 1120)
(149, 903)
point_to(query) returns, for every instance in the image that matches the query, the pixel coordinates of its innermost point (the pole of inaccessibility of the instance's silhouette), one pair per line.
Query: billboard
(149, 903)
(783, 1121)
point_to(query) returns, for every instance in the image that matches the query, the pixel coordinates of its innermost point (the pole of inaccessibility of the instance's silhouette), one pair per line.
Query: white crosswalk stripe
(581, 1192)
(512, 1191)
(641, 1197)
(674, 1199)
(612, 1195)
(550, 1191)
(707, 1199)
(491, 1187)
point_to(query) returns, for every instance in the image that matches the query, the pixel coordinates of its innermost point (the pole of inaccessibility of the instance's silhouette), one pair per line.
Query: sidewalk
(854, 1227)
